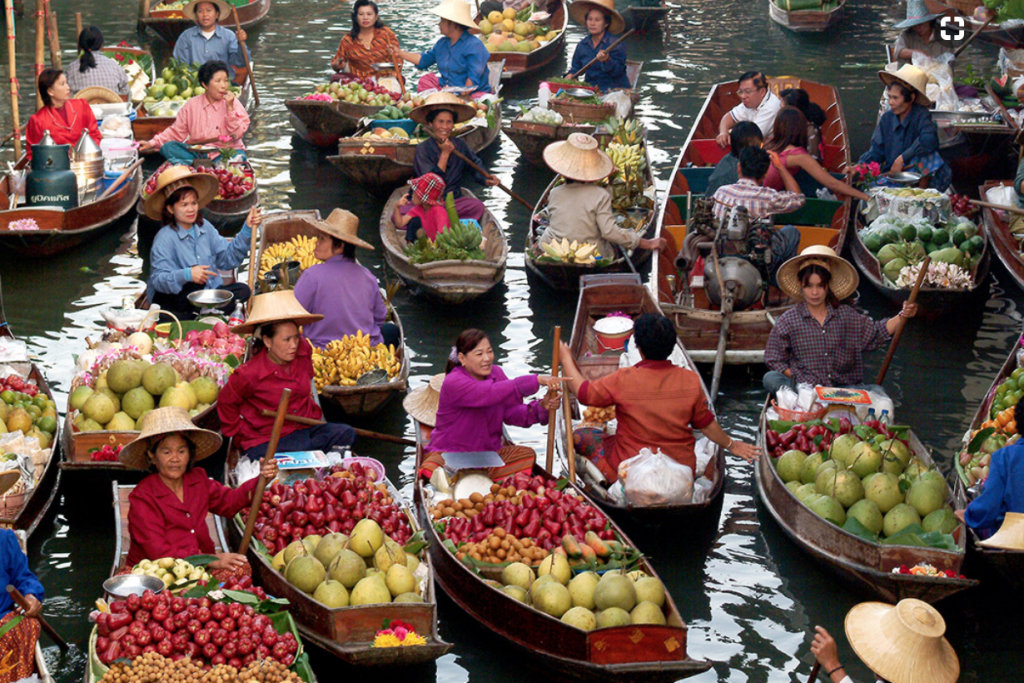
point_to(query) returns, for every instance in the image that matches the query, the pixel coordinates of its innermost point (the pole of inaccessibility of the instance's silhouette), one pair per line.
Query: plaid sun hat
(428, 188)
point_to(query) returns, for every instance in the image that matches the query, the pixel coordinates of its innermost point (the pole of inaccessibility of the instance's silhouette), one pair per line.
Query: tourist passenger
(744, 134)
(919, 33)
(344, 292)
(658, 404)
(1003, 491)
(92, 68)
(461, 57)
(167, 513)
(64, 117)
(477, 400)
(281, 359)
(603, 25)
(19, 642)
(815, 115)
(821, 340)
(215, 117)
(188, 251)
(757, 104)
(368, 42)
(209, 41)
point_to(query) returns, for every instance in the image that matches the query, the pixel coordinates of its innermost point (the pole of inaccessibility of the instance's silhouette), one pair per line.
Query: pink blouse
(774, 178)
(201, 119)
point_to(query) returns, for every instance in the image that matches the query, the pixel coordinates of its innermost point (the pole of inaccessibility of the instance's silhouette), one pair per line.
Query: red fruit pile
(220, 340)
(106, 454)
(212, 632)
(333, 505)
(816, 437)
(234, 182)
(245, 584)
(962, 205)
(15, 383)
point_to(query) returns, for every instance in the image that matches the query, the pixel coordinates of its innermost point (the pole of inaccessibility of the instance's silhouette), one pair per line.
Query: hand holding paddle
(267, 466)
(33, 610)
(606, 52)
(826, 653)
(492, 180)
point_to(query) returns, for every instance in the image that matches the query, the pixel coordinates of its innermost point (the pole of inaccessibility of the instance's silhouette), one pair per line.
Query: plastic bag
(656, 479)
(1011, 60)
(703, 452)
(116, 127)
(787, 398)
(702, 489)
(623, 105)
(807, 397)
(540, 115)
(1004, 195)
(617, 493)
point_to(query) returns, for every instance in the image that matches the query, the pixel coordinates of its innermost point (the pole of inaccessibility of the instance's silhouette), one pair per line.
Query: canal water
(750, 597)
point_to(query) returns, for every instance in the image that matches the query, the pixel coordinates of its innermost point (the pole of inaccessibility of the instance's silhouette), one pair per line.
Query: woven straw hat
(190, 9)
(1010, 535)
(446, 101)
(457, 11)
(342, 224)
(161, 422)
(902, 643)
(579, 9)
(578, 158)
(276, 307)
(175, 178)
(422, 403)
(917, 13)
(97, 94)
(912, 77)
(11, 477)
(844, 276)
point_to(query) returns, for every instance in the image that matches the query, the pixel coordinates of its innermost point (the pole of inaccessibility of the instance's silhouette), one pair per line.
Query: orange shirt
(657, 405)
(360, 58)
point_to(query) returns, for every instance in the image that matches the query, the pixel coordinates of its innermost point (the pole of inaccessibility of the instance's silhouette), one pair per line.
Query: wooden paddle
(553, 414)
(970, 38)
(22, 602)
(253, 265)
(120, 179)
(359, 432)
(814, 672)
(257, 496)
(570, 450)
(245, 54)
(480, 170)
(611, 47)
(989, 205)
(902, 321)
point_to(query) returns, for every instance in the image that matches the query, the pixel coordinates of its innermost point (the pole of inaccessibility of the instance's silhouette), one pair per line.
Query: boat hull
(169, 25)
(806, 21)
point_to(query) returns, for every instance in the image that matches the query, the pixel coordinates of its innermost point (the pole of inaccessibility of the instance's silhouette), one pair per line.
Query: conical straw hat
(1010, 535)
(912, 77)
(457, 11)
(161, 422)
(446, 101)
(341, 224)
(97, 94)
(422, 403)
(844, 276)
(175, 178)
(275, 307)
(579, 9)
(11, 477)
(225, 10)
(578, 158)
(902, 643)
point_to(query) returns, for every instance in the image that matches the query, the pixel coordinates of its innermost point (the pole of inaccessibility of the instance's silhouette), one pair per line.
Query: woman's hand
(269, 469)
(747, 451)
(551, 382)
(337, 64)
(403, 201)
(255, 217)
(897, 165)
(145, 146)
(241, 35)
(654, 245)
(200, 274)
(492, 180)
(446, 146)
(909, 310)
(776, 160)
(603, 56)
(230, 561)
(35, 608)
(723, 140)
(229, 98)
(824, 649)
(552, 400)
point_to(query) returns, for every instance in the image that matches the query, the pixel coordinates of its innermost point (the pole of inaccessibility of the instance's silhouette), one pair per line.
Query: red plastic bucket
(612, 333)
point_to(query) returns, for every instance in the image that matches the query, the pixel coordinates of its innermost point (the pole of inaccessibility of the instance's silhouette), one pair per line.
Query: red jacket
(163, 526)
(79, 115)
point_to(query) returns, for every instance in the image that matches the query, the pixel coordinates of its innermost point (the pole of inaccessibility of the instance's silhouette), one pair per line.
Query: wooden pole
(970, 39)
(257, 496)
(570, 450)
(553, 413)
(253, 267)
(988, 205)
(310, 422)
(903, 321)
(611, 47)
(120, 179)
(248, 64)
(12, 77)
(40, 49)
(78, 25)
(23, 604)
(480, 170)
(814, 672)
(143, 9)
(55, 61)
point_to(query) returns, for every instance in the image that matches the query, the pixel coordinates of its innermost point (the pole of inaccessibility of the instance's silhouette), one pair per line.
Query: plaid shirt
(760, 202)
(828, 355)
(107, 73)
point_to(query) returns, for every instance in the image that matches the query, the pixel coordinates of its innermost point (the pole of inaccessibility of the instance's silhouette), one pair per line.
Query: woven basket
(572, 110)
(796, 415)
(965, 6)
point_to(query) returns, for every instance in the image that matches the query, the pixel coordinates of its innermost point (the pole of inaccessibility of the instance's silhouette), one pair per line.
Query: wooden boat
(227, 215)
(643, 18)
(807, 21)
(1009, 37)
(532, 138)
(168, 25)
(996, 227)
(698, 322)
(451, 281)
(40, 661)
(864, 564)
(519, 65)
(357, 401)
(599, 296)
(146, 127)
(27, 514)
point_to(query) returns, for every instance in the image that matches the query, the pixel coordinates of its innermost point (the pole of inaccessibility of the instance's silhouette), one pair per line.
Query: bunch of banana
(571, 252)
(299, 248)
(173, 572)
(460, 236)
(342, 361)
(625, 131)
(627, 158)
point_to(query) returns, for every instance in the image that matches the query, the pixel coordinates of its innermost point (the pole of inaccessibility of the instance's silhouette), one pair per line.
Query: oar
(553, 413)
(903, 321)
(480, 170)
(120, 179)
(989, 205)
(245, 53)
(814, 672)
(359, 432)
(570, 451)
(253, 265)
(611, 47)
(257, 496)
(23, 604)
(977, 31)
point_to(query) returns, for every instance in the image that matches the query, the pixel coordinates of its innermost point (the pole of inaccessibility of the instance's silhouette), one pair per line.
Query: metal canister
(51, 182)
(269, 282)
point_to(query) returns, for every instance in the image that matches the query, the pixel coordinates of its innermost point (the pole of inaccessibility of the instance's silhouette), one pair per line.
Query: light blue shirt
(175, 251)
(194, 48)
(466, 59)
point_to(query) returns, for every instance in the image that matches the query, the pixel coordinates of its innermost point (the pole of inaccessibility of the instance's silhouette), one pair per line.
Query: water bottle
(237, 316)
(544, 95)
(871, 415)
(885, 420)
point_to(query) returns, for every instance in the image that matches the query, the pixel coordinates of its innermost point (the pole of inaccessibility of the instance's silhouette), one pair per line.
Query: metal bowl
(210, 298)
(578, 92)
(132, 584)
(905, 177)
(372, 377)
(382, 66)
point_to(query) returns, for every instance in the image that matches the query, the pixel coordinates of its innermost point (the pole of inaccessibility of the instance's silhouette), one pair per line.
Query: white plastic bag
(703, 450)
(656, 479)
(623, 105)
(807, 397)
(116, 127)
(1003, 195)
(617, 493)
(787, 398)
(541, 115)
(702, 489)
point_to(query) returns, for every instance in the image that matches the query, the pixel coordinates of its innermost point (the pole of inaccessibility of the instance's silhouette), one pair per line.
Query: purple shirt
(472, 412)
(348, 297)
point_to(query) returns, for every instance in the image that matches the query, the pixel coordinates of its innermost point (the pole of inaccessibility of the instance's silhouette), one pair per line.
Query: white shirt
(209, 34)
(763, 115)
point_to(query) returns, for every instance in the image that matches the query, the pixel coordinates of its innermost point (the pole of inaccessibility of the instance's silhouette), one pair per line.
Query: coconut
(898, 518)
(580, 617)
(348, 568)
(123, 376)
(414, 597)
(158, 378)
(99, 408)
(332, 594)
(136, 402)
(650, 589)
(865, 459)
(517, 574)
(556, 565)
(848, 488)
(868, 514)
(842, 446)
(647, 613)
(926, 496)
(884, 491)
(553, 598)
(810, 466)
(615, 590)
(295, 549)
(79, 396)
(582, 588)
(400, 580)
(613, 616)
(329, 547)
(789, 465)
(142, 341)
(804, 491)
(370, 591)
(305, 573)
(366, 538)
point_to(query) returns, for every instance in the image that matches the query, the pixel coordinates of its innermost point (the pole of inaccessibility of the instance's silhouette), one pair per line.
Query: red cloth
(78, 115)
(657, 405)
(434, 219)
(256, 385)
(160, 525)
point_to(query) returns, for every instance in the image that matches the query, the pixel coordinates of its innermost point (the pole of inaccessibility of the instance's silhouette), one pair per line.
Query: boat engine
(744, 260)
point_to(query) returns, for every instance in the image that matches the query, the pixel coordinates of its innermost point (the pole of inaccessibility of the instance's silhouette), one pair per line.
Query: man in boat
(17, 645)
(919, 33)
(744, 134)
(657, 404)
(208, 40)
(757, 104)
(901, 643)
(1003, 490)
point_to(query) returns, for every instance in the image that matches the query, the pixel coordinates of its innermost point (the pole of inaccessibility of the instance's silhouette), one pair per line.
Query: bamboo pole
(78, 25)
(55, 60)
(245, 54)
(143, 9)
(311, 422)
(257, 496)
(553, 414)
(12, 78)
(40, 49)
(902, 321)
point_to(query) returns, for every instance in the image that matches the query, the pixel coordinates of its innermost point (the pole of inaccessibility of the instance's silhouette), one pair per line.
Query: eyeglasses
(748, 91)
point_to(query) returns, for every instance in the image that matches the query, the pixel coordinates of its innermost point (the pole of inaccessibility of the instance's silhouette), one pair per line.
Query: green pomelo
(650, 589)
(865, 459)
(305, 573)
(114, 398)
(553, 598)
(942, 520)
(370, 591)
(580, 617)
(121, 422)
(400, 580)
(348, 568)
(842, 446)
(615, 590)
(205, 389)
(829, 508)
(158, 378)
(793, 485)
(99, 408)
(416, 597)
(848, 488)
(332, 594)
(895, 447)
(647, 613)
(517, 574)
(582, 588)
(613, 616)
(136, 402)
(789, 465)
(329, 547)
(293, 550)
(825, 483)
(556, 565)
(915, 468)
(366, 538)
(804, 491)
(868, 514)
(541, 581)
(898, 518)
(926, 496)
(884, 491)
(123, 376)
(79, 396)
(175, 397)
(517, 592)
(810, 467)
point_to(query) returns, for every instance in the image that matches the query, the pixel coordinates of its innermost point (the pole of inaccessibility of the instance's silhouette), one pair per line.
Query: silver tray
(132, 584)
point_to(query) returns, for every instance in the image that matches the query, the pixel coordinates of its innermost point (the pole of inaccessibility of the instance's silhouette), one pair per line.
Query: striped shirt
(760, 202)
(359, 57)
(107, 73)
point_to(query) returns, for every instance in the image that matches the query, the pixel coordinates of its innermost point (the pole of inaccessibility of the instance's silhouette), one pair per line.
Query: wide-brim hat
(175, 178)
(457, 11)
(11, 477)
(844, 280)
(912, 77)
(274, 307)
(579, 8)
(97, 94)
(162, 422)
(422, 403)
(917, 13)
(190, 9)
(446, 101)
(579, 158)
(902, 643)
(1010, 535)
(341, 224)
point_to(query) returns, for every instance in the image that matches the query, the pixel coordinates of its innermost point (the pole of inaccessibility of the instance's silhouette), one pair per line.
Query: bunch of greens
(1006, 9)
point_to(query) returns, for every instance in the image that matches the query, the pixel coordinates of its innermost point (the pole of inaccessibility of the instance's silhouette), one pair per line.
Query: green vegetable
(449, 205)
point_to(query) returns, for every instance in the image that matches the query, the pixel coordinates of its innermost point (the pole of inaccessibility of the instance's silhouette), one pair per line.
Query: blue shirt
(1002, 492)
(466, 59)
(605, 75)
(912, 138)
(192, 47)
(175, 251)
(14, 571)
(428, 153)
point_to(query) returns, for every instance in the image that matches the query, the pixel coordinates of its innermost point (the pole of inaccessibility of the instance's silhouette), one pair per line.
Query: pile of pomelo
(507, 32)
(31, 415)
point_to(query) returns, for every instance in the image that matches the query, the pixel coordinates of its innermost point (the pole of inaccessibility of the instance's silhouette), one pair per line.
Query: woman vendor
(657, 404)
(581, 210)
(821, 340)
(368, 42)
(603, 25)
(62, 116)
(282, 359)
(440, 113)
(345, 293)
(17, 645)
(920, 34)
(188, 251)
(906, 135)
(477, 399)
(461, 58)
(92, 68)
(1003, 491)
(215, 117)
(167, 512)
